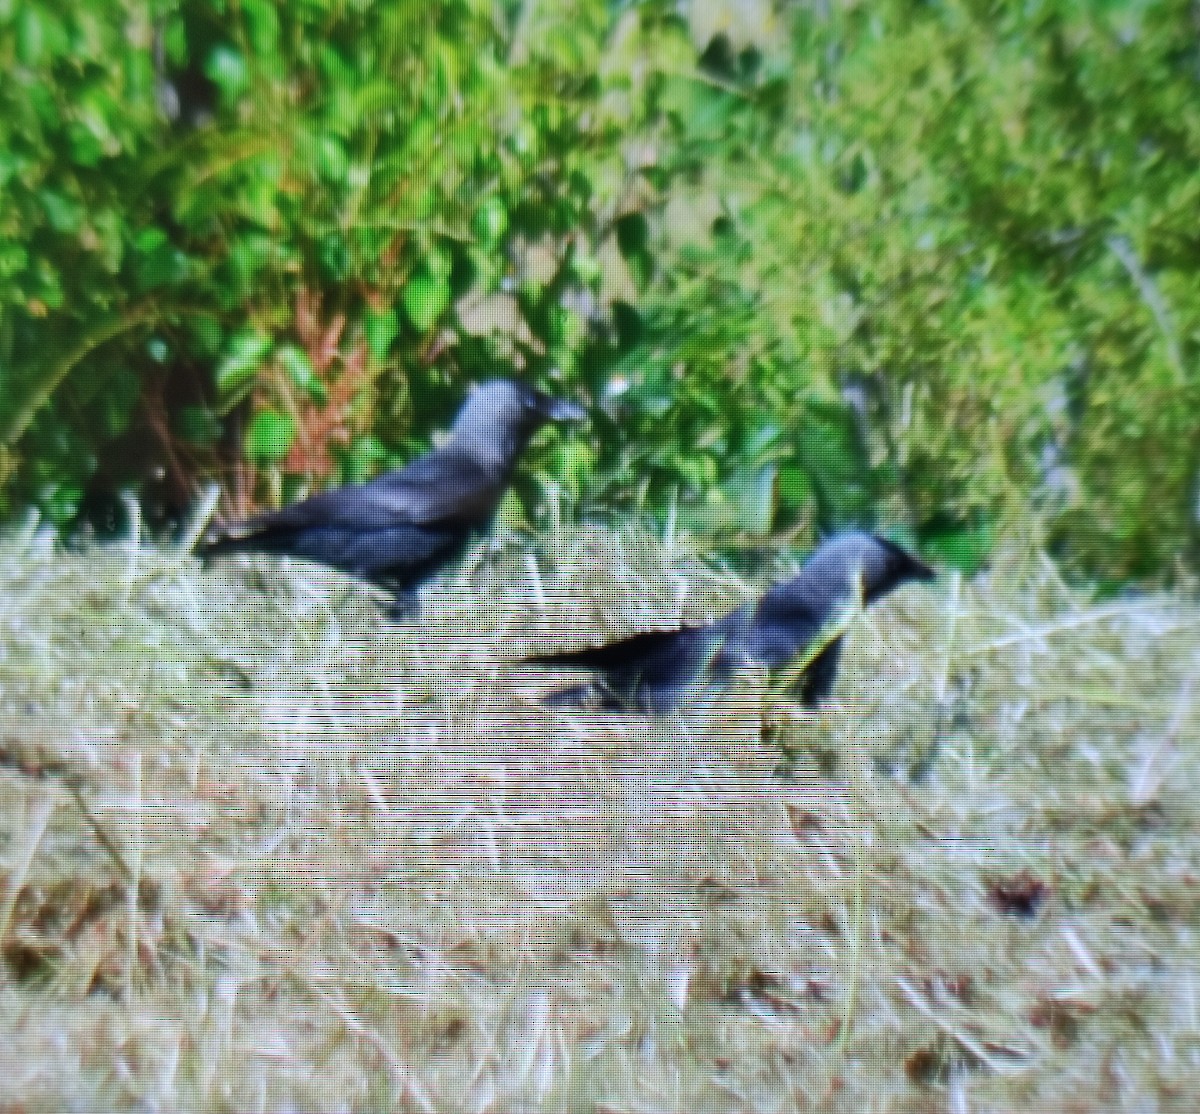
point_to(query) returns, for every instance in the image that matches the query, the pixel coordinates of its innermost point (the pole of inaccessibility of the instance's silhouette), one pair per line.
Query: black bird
(399, 529)
(653, 671)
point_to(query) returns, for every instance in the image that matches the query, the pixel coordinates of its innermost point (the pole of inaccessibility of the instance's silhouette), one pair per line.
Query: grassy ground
(262, 852)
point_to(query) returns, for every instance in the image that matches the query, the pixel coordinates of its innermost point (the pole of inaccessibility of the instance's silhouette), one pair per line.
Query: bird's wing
(441, 489)
(626, 654)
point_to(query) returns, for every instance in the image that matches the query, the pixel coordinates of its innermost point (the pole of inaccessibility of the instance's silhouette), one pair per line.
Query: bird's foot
(402, 607)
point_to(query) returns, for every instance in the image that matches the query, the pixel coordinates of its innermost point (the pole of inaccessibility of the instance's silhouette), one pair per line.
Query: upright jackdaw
(399, 529)
(654, 671)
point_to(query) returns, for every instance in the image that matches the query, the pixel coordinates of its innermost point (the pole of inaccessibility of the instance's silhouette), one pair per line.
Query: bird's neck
(494, 444)
(788, 605)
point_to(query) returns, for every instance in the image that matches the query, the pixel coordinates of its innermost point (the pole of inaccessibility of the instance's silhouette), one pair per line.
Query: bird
(399, 529)
(654, 671)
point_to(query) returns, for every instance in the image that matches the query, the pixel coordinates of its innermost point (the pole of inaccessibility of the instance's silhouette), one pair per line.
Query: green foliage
(270, 436)
(916, 263)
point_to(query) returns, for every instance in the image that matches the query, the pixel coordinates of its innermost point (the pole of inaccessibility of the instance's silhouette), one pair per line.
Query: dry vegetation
(261, 852)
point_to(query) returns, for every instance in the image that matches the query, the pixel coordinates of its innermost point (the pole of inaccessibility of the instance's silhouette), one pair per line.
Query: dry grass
(357, 868)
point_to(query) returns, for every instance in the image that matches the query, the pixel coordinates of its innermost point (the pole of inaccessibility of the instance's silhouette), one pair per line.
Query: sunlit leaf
(425, 299)
(269, 436)
(246, 353)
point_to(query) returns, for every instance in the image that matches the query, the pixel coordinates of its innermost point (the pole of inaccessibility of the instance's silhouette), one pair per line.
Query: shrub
(918, 263)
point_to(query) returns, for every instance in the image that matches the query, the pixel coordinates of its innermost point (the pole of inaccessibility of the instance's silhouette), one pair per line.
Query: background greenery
(919, 263)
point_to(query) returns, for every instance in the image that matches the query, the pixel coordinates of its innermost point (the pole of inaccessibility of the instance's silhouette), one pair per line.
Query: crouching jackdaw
(399, 529)
(654, 671)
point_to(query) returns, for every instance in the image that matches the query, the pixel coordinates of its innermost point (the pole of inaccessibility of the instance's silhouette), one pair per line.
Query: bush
(918, 263)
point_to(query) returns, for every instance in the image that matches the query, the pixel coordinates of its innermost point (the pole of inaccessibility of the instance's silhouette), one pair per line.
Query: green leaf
(511, 512)
(226, 68)
(148, 240)
(329, 157)
(9, 165)
(61, 503)
(566, 328)
(204, 335)
(157, 262)
(269, 436)
(830, 451)
(751, 493)
(633, 233)
(86, 149)
(959, 545)
(117, 402)
(39, 34)
(262, 25)
(48, 286)
(380, 328)
(295, 362)
(425, 299)
(13, 260)
(437, 262)
(574, 462)
(64, 214)
(333, 258)
(422, 134)
(490, 220)
(795, 488)
(198, 425)
(174, 38)
(362, 459)
(248, 255)
(586, 268)
(247, 350)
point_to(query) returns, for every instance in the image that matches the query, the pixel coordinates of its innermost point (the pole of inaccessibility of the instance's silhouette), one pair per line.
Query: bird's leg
(807, 678)
(402, 606)
(345, 595)
(791, 675)
(482, 556)
(775, 717)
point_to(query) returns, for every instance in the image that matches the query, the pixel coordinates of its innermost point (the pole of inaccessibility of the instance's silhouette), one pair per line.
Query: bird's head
(500, 416)
(845, 566)
(883, 565)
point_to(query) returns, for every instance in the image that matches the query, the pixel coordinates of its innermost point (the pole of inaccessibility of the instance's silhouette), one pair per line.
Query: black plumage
(399, 529)
(654, 671)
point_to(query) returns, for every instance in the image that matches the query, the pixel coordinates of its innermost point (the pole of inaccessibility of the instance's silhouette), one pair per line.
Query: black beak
(906, 566)
(918, 570)
(558, 409)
